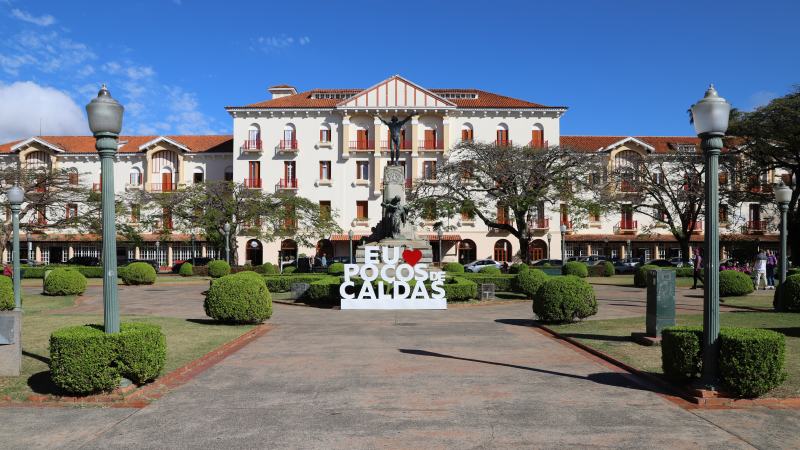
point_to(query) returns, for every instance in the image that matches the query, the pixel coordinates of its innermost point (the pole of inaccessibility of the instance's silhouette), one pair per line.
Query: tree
(769, 136)
(489, 179)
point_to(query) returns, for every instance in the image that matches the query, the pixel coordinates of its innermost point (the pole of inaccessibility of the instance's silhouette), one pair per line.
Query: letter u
(395, 257)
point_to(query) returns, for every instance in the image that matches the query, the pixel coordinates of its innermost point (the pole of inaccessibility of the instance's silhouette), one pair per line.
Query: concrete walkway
(468, 377)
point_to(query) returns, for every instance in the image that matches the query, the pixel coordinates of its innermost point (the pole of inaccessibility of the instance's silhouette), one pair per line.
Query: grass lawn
(186, 341)
(37, 282)
(613, 338)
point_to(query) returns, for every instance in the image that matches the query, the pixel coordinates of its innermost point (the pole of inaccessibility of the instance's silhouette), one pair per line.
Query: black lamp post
(439, 234)
(193, 252)
(563, 229)
(783, 195)
(350, 237)
(549, 237)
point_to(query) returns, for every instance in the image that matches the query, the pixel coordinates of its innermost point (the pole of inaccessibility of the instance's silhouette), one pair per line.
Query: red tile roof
(662, 144)
(85, 144)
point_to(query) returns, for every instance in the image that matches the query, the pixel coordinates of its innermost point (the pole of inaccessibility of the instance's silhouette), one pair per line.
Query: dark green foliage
(575, 268)
(641, 274)
(336, 268)
(324, 290)
(91, 272)
(751, 360)
(490, 270)
(268, 269)
(458, 289)
(218, 268)
(564, 299)
(141, 351)
(65, 282)
(289, 270)
(82, 359)
(787, 295)
(283, 283)
(518, 268)
(239, 298)
(684, 272)
(186, 270)
(734, 283)
(502, 282)
(608, 269)
(793, 271)
(138, 273)
(6, 293)
(529, 281)
(38, 271)
(680, 352)
(453, 267)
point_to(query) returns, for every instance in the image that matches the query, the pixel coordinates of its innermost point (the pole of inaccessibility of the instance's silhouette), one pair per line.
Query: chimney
(282, 90)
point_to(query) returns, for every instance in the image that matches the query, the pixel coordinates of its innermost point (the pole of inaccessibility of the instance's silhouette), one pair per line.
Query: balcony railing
(251, 145)
(503, 142)
(287, 145)
(756, 226)
(431, 144)
(405, 144)
(626, 186)
(162, 187)
(539, 224)
(252, 183)
(627, 226)
(362, 144)
(287, 183)
(538, 144)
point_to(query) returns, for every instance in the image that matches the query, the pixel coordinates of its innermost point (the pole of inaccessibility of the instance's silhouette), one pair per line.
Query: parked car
(83, 261)
(196, 262)
(659, 263)
(678, 262)
(125, 262)
(476, 266)
(625, 266)
(339, 259)
(542, 262)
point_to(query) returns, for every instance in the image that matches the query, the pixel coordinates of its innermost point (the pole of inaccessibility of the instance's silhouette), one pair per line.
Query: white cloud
(269, 44)
(43, 21)
(185, 116)
(48, 52)
(761, 98)
(24, 104)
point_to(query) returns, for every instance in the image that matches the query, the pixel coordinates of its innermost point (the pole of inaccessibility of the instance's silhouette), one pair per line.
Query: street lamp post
(549, 237)
(30, 246)
(628, 252)
(350, 237)
(783, 195)
(158, 253)
(15, 198)
(605, 247)
(105, 121)
(710, 118)
(193, 254)
(439, 234)
(563, 230)
(227, 229)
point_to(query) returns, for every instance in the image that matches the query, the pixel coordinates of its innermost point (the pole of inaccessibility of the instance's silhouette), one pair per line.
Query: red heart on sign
(412, 257)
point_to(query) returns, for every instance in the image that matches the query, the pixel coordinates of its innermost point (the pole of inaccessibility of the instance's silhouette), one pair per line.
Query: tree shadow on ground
(42, 383)
(41, 358)
(597, 337)
(617, 379)
(788, 331)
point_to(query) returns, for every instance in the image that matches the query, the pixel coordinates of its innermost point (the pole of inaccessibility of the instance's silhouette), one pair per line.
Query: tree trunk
(524, 254)
(684, 244)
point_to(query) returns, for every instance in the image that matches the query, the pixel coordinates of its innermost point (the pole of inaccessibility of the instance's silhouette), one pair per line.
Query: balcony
(538, 144)
(541, 224)
(696, 226)
(287, 145)
(405, 144)
(287, 184)
(361, 222)
(568, 224)
(627, 187)
(252, 183)
(163, 187)
(503, 142)
(431, 144)
(133, 186)
(756, 226)
(251, 146)
(626, 227)
(362, 144)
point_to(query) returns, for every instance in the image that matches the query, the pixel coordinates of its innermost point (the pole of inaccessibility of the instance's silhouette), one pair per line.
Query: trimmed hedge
(453, 267)
(608, 269)
(239, 298)
(684, 272)
(65, 282)
(793, 271)
(288, 270)
(325, 290)
(529, 281)
(518, 268)
(6, 294)
(680, 352)
(283, 283)
(640, 275)
(218, 268)
(490, 270)
(502, 282)
(267, 269)
(84, 359)
(38, 271)
(604, 269)
(186, 270)
(336, 268)
(787, 295)
(575, 268)
(734, 283)
(138, 273)
(459, 289)
(564, 299)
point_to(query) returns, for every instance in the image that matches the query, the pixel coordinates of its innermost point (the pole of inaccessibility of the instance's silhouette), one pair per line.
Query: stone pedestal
(10, 343)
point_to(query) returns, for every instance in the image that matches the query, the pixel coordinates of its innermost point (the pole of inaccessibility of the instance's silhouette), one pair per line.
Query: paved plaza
(469, 377)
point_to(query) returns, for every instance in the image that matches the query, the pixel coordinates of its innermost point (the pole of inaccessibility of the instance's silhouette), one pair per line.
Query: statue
(394, 144)
(395, 214)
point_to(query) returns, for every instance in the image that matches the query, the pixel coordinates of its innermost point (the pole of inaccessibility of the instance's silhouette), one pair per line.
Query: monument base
(404, 244)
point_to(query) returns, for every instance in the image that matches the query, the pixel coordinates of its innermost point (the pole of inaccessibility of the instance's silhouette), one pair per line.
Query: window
(135, 177)
(229, 173)
(325, 133)
(723, 178)
(723, 213)
(362, 170)
(73, 178)
(502, 135)
(537, 137)
(198, 176)
(429, 170)
(136, 212)
(502, 214)
(253, 179)
(324, 170)
(167, 218)
(325, 209)
(362, 210)
(253, 137)
(658, 178)
(594, 216)
(41, 215)
(660, 213)
(72, 211)
(466, 132)
(290, 170)
(564, 210)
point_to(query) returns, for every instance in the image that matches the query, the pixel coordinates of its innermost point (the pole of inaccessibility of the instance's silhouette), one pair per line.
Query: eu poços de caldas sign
(388, 281)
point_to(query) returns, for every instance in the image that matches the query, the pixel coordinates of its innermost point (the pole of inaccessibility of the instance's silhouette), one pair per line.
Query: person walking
(697, 260)
(760, 268)
(772, 263)
(323, 260)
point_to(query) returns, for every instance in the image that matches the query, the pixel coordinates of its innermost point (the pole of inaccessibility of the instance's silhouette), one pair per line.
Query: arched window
(198, 175)
(466, 251)
(325, 247)
(502, 135)
(467, 132)
(135, 177)
(502, 251)
(537, 250)
(325, 133)
(254, 252)
(289, 140)
(253, 137)
(626, 164)
(537, 136)
(37, 160)
(288, 253)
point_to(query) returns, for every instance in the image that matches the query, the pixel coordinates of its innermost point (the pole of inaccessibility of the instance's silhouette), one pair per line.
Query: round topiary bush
(529, 281)
(139, 273)
(453, 267)
(218, 268)
(608, 269)
(82, 359)
(564, 299)
(575, 268)
(490, 270)
(64, 282)
(269, 269)
(6, 293)
(640, 276)
(518, 268)
(186, 270)
(141, 351)
(734, 283)
(239, 298)
(787, 295)
(289, 270)
(336, 268)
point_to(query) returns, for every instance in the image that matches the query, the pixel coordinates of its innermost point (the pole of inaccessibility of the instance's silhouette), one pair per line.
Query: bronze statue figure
(395, 126)
(395, 215)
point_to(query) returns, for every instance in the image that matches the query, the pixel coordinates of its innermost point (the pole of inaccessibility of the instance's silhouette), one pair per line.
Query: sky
(622, 67)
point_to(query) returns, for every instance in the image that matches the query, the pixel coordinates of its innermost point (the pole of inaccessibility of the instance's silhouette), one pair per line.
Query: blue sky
(622, 67)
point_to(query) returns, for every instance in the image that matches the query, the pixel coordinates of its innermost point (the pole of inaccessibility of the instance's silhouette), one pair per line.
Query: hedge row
(751, 360)
(283, 283)
(502, 282)
(38, 271)
(787, 295)
(6, 294)
(84, 359)
(460, 289)
(453, 267)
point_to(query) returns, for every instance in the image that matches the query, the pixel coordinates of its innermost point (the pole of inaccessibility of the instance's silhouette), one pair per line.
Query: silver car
(476, 266)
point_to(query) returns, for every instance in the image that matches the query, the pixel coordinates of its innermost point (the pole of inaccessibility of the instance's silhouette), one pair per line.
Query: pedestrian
(323, 261)
(772, 263)
(760, 268)
(697, 260)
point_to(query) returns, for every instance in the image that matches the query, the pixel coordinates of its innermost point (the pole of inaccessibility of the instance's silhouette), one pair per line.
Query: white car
(476, 266)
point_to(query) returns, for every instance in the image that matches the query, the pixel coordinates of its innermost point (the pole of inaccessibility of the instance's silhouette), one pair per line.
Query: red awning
(345, 237)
